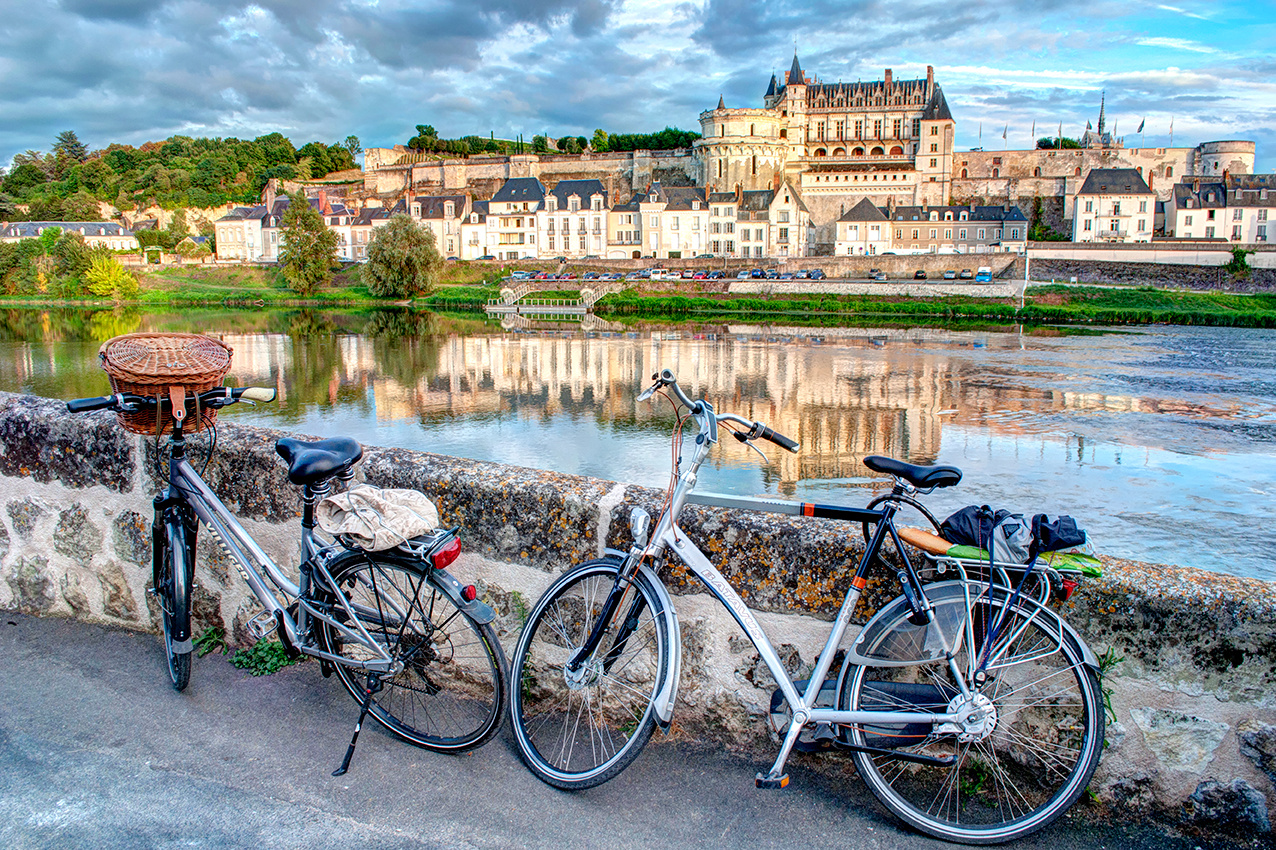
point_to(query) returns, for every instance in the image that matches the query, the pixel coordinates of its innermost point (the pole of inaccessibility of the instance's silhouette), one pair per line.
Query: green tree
(309, 247)
(70, 146)
(540, 144)
(599, 141)
(1047, 143)
(106, 278)
(352, 146)
(402, 260)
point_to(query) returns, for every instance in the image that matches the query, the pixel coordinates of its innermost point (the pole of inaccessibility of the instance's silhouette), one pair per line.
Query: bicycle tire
(172, 581)
(576, 732)
(449, 695)
(1025, 771)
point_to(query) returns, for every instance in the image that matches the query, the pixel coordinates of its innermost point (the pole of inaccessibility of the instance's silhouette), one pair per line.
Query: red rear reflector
(468, 593)
(1068, 587)
(447, 554)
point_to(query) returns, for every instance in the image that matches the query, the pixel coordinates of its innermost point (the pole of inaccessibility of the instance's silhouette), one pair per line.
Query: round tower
(1233, 156)
(740, 148)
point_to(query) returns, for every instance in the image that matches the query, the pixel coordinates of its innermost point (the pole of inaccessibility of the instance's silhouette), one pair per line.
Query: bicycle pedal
(262, 625)
(769, 784)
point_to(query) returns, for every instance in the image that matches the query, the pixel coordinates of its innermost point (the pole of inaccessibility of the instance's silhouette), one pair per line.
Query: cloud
(1176, 44)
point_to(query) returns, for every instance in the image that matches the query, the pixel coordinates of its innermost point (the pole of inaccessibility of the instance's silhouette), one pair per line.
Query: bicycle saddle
(922, 477)
(310, 462)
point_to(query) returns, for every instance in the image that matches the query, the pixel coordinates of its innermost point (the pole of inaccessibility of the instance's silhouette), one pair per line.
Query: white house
(862, 230)
(574, 220)
(1251, 204)
(1114, 205)
(511, 215)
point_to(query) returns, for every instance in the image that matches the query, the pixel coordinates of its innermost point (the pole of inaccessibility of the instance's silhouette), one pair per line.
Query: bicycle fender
(478, 611)
(667, 695)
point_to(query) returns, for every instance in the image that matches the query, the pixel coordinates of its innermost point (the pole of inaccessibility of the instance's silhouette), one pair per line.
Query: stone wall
(1193, 696)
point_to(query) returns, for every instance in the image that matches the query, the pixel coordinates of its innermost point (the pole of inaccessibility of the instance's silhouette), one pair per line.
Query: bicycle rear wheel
(450, 693)
(1007, 776)
(578, 729)
(171, 577)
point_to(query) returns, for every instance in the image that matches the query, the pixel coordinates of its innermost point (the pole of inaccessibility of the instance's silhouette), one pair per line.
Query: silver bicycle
(413, 646)
(971, 710)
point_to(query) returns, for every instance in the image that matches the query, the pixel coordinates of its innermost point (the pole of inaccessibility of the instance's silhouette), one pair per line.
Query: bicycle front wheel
(172, 581)
(579, 728)
(450, 693)
(1013, 770)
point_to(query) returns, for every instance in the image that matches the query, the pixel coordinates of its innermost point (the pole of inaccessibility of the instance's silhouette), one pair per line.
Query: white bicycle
(971, 710)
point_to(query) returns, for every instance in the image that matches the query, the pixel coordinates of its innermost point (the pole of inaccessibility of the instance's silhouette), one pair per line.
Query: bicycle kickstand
(373, 686)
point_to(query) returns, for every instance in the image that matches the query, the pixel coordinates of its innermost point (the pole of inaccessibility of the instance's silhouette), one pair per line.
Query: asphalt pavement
(98, 751)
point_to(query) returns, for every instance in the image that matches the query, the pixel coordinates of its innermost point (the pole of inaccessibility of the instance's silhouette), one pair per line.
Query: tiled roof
(520, 189)
(582, 189)
(1202, 195)
(435, 206)
(1257, 190)
(1114, 181)
(865, 210)
(973, 213)
(31, 229)
(937, 108)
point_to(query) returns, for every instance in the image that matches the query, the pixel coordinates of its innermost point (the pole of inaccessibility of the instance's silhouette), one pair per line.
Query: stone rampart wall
(1194, 697)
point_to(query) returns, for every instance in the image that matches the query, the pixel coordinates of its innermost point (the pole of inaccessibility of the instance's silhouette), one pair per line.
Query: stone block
(40, 440)
(73, 594)
(76, 536)
(1258, 744)
(1179, 741)
(117, 596)
(1234, 808)
(131, 533)
(24, 514)
(31, 586)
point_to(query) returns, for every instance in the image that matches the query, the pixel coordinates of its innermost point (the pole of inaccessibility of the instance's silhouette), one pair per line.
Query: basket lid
(148, 356)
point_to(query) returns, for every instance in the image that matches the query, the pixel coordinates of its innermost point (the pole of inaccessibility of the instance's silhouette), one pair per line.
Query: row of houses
(866, 229)
(574, 219)
(1116, 205)
(107, 234)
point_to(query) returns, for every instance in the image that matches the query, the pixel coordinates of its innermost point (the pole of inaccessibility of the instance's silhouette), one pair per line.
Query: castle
(836, 144)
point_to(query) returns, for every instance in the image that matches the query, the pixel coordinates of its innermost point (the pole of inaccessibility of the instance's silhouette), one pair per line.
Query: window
(655, 221)
(859, 129)
(1209, 233)
(1262, 215)
(1089, 206)
(934, 163)
(982, 233)
(784, 216)
(1187, 221)
(932, 233)
(1236, 232)
(1236, 215)
(877, 128)
(1088, 222)
(1116, 208)
(917, 127)
(673, 225)
(996, 172)
(898, 128)
(1261, 236)
(899, 234)
(596, 204)
(784, 234)
(934, 130)
(948, 233)
(964, 173)
(914, 232)
(1143, 225)
(1169, 171)
(1210, 215)
(934, 148)
(1143, 206)
(1036, 172)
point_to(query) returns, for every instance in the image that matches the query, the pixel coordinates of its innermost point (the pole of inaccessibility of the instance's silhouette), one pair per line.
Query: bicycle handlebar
(666, 378)
(219, 397)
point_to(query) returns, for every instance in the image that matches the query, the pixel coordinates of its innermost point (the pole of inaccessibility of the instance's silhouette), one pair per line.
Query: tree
(402, 260)
(599, 141)
(540, 144)
(351, 144)
(309, 248)
(70, 146)
(106, 278)
(1048, 143)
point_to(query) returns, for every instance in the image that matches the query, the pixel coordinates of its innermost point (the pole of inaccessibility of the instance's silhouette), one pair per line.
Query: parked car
(965, 274)
(920, 274)
(700, 276)
(757, 273)
(786, 276)
(560, 259)
(744, 275)
(716, 275)
(704, 256)
(818, 274)
(950, 274)
(983, 275)
(487, 257)
(541, 276)
(589, 276)
(802, 274)
(519, 274)
(567, 276)
(771, 274)
(876, 274)
(688, 274)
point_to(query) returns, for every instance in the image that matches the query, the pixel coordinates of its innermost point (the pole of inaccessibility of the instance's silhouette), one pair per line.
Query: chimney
(930, 79)
(739, 194)
(888, 79)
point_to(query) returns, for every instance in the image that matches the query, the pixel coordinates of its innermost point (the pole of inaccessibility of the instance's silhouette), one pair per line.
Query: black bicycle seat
(922, 477)
(310, 462)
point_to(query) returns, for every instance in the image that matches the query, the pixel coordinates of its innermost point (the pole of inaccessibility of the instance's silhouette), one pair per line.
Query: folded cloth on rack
(376, 519)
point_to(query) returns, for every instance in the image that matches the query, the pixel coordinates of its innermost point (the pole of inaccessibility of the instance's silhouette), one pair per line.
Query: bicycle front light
(640, 526)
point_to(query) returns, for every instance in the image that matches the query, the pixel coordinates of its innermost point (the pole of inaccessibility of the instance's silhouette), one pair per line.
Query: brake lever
(744, 438)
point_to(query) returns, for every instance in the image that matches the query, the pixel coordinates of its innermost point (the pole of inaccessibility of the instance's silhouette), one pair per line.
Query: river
(1160, 441)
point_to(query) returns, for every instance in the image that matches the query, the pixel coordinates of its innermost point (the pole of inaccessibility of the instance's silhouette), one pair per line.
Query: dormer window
(449, 210)
(934, 216)
(416, 210)
(1187, 204)
(596, 203)
(964, 215)
(948, 216)
(553, 204)
(573, 205)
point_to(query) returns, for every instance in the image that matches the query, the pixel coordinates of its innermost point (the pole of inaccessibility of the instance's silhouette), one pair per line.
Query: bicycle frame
(187, 487)
(667, 537)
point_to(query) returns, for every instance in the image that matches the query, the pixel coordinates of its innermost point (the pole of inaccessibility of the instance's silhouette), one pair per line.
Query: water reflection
(1159, 439)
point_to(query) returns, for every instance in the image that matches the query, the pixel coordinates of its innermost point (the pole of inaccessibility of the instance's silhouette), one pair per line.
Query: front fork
(172, 510)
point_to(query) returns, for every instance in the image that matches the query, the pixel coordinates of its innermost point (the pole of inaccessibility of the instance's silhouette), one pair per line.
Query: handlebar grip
(84, 405)
(777, 438)
(262, 394)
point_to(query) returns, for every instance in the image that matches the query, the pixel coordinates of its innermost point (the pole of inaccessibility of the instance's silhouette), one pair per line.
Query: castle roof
(795, 72)
(937, 108)
(770, 90)
(519, 189)
(865, 210)
(721, 103)
(1202, 195)
(1114, 181)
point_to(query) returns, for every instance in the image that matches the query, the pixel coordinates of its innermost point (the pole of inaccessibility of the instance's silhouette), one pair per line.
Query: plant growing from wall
(1238, 266)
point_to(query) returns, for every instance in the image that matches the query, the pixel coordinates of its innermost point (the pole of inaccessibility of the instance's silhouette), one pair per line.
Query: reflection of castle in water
(843, 393)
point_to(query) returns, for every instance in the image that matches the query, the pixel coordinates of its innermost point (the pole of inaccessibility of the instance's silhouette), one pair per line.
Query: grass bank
(1042, 304)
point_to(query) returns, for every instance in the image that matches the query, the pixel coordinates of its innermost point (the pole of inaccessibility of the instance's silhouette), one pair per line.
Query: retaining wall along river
(1194, 697)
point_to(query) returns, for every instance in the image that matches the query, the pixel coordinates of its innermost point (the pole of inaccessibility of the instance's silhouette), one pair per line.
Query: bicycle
(414, 647)
(972, 711)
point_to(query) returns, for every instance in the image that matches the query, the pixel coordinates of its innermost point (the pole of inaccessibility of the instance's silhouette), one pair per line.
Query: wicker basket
(149, 364)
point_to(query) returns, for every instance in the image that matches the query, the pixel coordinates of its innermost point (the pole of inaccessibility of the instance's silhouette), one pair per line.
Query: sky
(132, 71)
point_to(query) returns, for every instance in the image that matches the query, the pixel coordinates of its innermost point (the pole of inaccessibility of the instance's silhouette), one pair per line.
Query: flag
(1004, 130)
(1141, 123)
